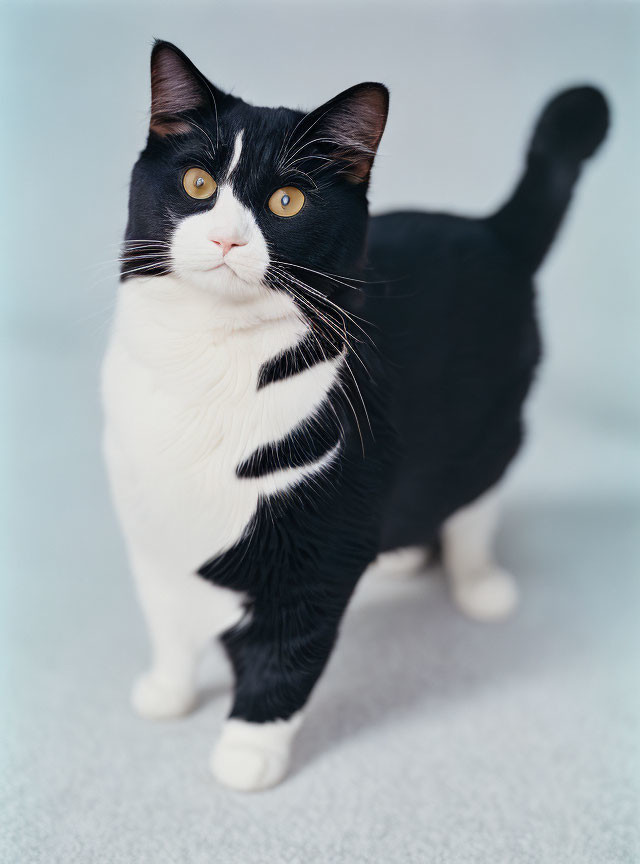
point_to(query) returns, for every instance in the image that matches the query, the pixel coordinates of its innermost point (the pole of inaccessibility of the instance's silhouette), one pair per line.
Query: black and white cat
(292, 389)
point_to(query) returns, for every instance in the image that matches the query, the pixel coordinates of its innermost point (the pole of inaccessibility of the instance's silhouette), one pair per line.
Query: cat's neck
(164, 321)
(175, 304)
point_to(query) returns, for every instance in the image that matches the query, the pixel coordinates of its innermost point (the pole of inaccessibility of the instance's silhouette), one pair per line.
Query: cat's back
(402, 244)
(445, 279)
(445, 294)
(453, 313)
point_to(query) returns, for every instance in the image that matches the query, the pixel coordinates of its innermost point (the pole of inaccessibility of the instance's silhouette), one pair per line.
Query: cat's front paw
(247, 768)
(489, 595)
(156, 699)
(253, 756)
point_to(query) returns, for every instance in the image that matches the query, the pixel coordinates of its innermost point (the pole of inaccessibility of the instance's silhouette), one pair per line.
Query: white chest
(183, 410)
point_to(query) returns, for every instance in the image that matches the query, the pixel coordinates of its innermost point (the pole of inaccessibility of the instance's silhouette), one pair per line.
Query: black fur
(304, 445)
(436, 315)
(311, 350)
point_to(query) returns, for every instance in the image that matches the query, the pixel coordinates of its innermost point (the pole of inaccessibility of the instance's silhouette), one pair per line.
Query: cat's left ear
(349, 127)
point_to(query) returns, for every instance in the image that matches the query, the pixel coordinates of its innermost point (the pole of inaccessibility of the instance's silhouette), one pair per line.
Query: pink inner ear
(173, 90)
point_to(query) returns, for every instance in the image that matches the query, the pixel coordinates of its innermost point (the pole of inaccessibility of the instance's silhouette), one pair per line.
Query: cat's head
(239, 200)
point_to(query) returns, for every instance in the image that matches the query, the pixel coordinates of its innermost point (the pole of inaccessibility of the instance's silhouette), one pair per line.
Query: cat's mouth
(227, 269)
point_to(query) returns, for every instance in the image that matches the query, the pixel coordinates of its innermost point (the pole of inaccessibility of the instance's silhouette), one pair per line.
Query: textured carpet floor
(430, 739)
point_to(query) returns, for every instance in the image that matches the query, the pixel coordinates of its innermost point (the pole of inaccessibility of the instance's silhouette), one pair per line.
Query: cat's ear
(349, 127)
(177, 87)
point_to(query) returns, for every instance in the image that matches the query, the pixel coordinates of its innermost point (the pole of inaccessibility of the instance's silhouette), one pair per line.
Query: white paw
(489, 595)
(253, 756)
(247, 768)
(155, 699)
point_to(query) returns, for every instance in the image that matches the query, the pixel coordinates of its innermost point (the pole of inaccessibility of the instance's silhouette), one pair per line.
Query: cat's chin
(223, 299)
(225, 284)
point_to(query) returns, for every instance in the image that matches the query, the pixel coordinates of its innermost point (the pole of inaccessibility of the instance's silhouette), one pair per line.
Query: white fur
(182, 411)
(236, 276)
(404, 562)
(481, 589)
(254, 756)
(237, 150)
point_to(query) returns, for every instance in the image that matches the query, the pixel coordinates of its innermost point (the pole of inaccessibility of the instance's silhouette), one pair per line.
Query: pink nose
(226, 243)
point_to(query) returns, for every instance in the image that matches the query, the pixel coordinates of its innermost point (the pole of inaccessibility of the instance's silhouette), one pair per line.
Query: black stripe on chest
(314, 348)
(306, 444)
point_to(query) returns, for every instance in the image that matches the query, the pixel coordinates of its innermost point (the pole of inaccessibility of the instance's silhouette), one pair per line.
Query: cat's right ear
(177, 88)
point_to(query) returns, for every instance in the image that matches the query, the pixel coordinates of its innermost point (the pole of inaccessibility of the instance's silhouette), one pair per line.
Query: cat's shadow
(411, 650)
(405, 648)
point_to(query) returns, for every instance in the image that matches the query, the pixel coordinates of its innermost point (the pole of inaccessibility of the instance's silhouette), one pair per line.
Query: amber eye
(286, 202)
(198, 184)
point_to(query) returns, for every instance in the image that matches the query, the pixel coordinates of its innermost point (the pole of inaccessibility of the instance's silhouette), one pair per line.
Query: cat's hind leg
(480, 588)
(404, 562)
(183, 613)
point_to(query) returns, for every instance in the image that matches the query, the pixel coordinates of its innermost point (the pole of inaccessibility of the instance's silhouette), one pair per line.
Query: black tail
(570, 130)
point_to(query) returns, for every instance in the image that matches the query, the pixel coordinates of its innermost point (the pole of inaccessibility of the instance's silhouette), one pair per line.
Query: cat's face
(240, 200)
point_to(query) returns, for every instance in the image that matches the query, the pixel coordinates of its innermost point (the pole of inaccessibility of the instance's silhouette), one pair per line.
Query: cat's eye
(287, 201)
(198, 184)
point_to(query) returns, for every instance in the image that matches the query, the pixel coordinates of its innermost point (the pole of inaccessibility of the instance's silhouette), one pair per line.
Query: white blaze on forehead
(237, 149)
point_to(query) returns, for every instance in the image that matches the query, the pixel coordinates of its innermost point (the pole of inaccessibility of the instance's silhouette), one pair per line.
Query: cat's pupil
(285, 200)
(200, 182)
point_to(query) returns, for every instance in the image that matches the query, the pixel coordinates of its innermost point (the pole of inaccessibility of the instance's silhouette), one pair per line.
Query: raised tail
(570, 129)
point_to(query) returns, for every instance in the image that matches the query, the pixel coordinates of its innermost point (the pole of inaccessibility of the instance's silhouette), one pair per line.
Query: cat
(293, 390)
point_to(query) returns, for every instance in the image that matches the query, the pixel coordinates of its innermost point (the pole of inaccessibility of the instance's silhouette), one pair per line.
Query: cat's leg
(480, 588)
(183, 613)
(403, 562)
(277, 659)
